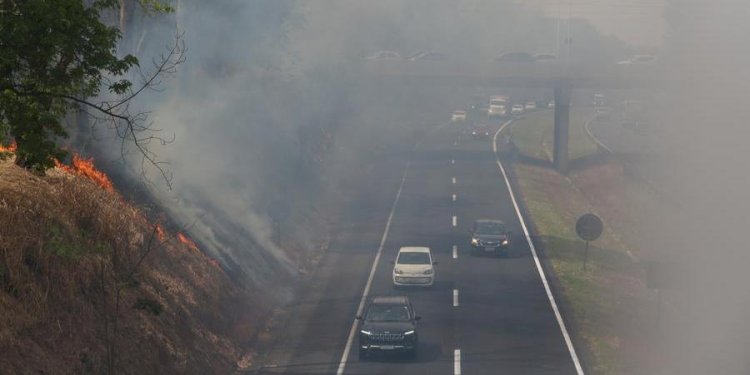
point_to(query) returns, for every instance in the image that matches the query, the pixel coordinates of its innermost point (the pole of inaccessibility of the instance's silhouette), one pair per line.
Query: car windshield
(406, 257)
(490, 228)
(388, 313)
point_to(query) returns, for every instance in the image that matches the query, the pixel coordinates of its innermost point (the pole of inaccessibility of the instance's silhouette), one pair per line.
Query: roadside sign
(589, 227)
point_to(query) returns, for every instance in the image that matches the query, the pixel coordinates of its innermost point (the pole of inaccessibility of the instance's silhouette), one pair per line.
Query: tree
(55, 57)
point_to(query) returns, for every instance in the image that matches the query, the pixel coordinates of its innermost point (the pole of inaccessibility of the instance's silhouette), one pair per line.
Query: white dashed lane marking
(455, 221)
(457, 362)
(455, 252)
(455, 297)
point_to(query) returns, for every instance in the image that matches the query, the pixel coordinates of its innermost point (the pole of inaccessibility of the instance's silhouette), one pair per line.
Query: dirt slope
(89, 285)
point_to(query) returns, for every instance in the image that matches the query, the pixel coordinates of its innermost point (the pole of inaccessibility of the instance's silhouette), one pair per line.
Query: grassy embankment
(88, 285)
(610, 305)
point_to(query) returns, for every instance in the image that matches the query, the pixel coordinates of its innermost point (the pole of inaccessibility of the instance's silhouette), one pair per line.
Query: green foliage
(54, 55)
(60, 243)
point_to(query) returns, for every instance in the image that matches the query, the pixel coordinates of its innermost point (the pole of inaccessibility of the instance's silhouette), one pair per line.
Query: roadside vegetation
(612, 311)
(89, 284)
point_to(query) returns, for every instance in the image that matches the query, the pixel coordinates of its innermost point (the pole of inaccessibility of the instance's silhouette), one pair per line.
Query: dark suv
(489, 236)
(389, 324)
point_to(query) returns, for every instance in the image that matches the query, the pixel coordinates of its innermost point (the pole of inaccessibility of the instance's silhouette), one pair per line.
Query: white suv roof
(414, 249)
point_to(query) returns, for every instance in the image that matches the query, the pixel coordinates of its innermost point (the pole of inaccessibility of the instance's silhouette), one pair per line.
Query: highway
(485, 315)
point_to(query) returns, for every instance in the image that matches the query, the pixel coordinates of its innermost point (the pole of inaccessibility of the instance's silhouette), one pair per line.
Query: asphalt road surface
(485, 314)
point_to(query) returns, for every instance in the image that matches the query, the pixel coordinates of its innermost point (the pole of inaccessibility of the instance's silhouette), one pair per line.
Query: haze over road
(485, 315)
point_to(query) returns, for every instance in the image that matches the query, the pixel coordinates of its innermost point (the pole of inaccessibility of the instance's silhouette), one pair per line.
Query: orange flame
(12, 147)
(160, 232)
(85, 167)
(187, 241)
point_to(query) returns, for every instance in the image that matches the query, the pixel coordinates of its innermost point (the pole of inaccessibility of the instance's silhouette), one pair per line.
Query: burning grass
(77, 260)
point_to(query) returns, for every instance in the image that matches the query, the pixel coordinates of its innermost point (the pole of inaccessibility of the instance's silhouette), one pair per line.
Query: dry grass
(67, 247)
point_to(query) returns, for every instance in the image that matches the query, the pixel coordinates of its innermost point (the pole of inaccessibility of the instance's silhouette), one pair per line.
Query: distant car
(530, 106)
(551, 104)
(414, 266)
(517, 109)
(639, 59)
(389, 324)
(427, 56)
(498, 106)
(458, 116)
(480, 131)
(385, 55)
(542, 57)
(489, 236)
(515, 57)
(497, 110)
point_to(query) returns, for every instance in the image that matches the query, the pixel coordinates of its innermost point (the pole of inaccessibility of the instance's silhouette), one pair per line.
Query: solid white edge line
(455, 297)
(537, 262)
(455, 252)
(596, 140)
(366, 292)
(455, 221)
(457, 362)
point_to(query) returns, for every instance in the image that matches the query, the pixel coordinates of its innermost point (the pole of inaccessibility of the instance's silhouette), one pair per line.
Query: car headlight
(505, 242)
(474, 241)
(428, 272)
(368, 333)
(397, 271)
(409, 332)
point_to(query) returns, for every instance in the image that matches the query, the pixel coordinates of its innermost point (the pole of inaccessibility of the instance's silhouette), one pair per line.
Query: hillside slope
(89, 285)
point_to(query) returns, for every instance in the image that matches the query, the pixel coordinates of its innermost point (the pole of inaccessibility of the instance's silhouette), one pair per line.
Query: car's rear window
(406, 257)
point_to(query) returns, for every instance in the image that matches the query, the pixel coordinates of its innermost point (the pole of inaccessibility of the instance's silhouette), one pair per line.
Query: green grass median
(608, 302)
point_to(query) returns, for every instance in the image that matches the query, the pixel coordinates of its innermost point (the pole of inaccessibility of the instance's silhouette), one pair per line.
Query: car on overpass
(530, 105)
(427, 56)
(414, 267)
(389, 324)
(545, 57)
(515, 57)
(384, 55)
(489, 236)
(639, 59)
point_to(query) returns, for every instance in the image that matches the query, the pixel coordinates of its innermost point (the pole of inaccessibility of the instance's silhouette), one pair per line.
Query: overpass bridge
(558, 77)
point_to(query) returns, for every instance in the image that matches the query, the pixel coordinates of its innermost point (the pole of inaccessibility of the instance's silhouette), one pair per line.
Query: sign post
(588, 227)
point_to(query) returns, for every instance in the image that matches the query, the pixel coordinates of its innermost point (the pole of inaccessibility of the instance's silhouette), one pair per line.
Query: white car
(458, 116)
(414, 266)
(530, 106)
(496, 111)
(517, 109)
(551, 104)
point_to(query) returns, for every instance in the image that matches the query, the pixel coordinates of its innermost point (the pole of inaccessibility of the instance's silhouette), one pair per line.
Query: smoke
(272, 104)
(706, 120)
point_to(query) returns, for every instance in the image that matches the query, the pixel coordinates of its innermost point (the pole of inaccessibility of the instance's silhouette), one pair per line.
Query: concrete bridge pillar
(562, 124)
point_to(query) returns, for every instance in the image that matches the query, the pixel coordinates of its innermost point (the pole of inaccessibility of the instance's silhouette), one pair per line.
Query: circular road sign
(589, 227)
